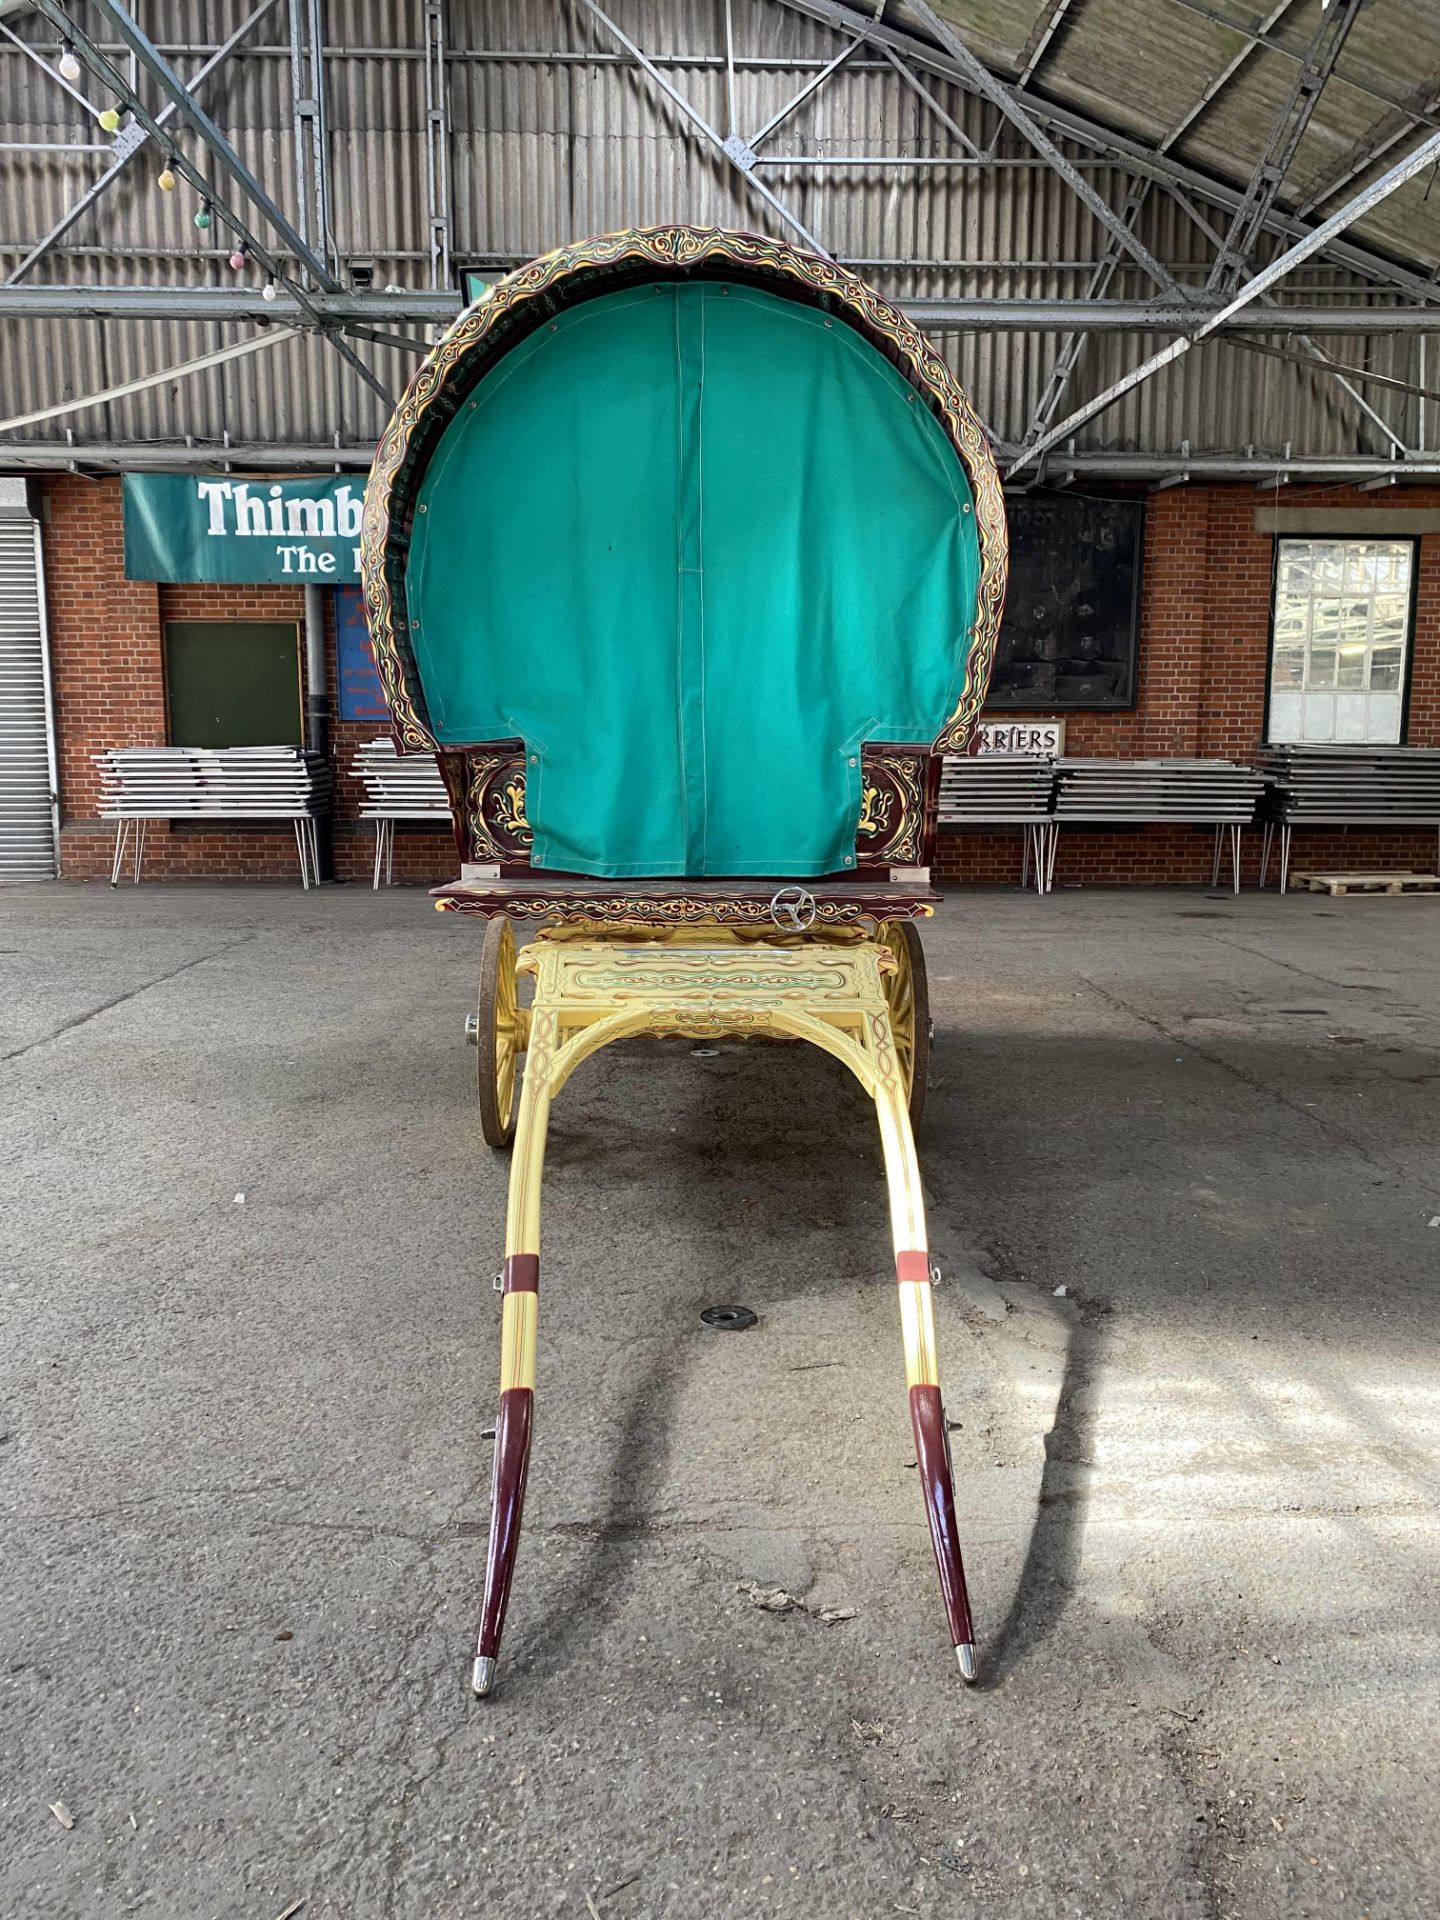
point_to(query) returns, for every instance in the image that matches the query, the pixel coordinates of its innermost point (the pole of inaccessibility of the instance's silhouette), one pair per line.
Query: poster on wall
(189, 526)
(356, 674)
(1071, 632)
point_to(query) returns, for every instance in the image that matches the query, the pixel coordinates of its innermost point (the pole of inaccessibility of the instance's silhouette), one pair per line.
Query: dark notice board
(233, 683)
(1072, 611)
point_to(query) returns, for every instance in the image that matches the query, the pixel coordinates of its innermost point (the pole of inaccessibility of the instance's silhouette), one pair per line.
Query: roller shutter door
(27, 781)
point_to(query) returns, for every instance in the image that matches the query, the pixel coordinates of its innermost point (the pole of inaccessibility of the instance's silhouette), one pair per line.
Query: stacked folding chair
(1222, 794)
(1320, 786)
(140, 784)
(396, 788)
(1003, 789)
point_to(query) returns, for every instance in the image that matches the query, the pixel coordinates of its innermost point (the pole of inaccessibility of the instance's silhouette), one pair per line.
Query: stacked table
(397, 787)
(139, 784)
(1003, 789)
(1223, 794)
(1329, 786)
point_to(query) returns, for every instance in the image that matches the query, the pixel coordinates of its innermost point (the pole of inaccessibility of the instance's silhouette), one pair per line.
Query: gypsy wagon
(685, 553)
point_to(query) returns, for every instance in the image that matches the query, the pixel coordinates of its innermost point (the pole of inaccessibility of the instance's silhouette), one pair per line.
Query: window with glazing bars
(1341, 640)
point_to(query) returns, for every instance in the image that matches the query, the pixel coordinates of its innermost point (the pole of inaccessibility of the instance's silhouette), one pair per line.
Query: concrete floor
(244, 1480)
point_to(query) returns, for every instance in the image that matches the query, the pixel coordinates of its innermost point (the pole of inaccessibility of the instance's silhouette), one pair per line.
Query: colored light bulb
(110, 120)
(237, 259)
(166, 182)
(202, 218)
(268, 291)
(69, 65)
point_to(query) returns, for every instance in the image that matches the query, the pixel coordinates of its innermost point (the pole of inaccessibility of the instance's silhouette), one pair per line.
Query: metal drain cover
(729, 1319)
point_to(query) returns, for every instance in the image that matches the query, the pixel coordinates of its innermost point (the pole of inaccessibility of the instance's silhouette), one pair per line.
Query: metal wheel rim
(507, 1028)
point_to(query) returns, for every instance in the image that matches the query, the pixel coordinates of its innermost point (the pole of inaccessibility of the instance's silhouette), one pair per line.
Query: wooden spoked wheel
(499, 1040)
(907, 993)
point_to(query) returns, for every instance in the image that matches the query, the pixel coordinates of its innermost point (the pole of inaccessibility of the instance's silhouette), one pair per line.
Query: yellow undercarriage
(835, 988)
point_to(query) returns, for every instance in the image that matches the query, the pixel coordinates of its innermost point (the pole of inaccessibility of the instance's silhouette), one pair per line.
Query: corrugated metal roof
(554, 134)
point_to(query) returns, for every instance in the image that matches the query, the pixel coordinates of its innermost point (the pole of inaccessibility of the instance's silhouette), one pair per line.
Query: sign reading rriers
(181, 526)
(1040, 737)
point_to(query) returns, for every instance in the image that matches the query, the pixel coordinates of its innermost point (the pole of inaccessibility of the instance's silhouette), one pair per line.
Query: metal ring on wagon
(793, 909)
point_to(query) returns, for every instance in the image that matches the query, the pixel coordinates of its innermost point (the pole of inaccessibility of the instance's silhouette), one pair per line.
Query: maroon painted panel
(521, 1273)
(932, 1454)
(507, 1500)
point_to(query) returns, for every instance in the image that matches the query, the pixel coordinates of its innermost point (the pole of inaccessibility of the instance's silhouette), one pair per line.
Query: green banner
(181, 526)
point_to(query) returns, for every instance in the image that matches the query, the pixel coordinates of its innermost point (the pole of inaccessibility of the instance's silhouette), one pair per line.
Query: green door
(233, 683)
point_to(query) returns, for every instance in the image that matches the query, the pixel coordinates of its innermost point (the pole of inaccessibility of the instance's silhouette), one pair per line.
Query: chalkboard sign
(1072, 612)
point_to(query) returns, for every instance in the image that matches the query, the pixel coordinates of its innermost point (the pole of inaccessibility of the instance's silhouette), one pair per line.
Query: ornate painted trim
(522, 301)
(554, 901)
(893, 830)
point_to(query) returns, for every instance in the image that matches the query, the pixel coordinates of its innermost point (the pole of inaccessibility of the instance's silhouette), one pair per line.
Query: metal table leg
(122, 834)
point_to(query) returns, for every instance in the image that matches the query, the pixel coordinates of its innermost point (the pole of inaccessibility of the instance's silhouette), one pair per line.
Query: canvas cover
(692, 544)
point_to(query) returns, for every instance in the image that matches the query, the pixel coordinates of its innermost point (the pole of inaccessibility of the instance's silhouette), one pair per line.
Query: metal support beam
(731, 148)
(812, 85)
(290, 307)
(1344, 373)
(106, 456)
(1268, 176)
(1074, 343)
(166, 376)
(437, 142)
(1005, 98)
(33, 53)
(732, 125)
(913, 81)
(307, 99)
(437, 307)
(1423, 156)
(124, 155)
(402, 342)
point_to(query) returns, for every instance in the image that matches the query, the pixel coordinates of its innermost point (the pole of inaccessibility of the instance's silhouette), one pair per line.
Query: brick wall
(109, 676)
(1204, 658)
(1205, 619)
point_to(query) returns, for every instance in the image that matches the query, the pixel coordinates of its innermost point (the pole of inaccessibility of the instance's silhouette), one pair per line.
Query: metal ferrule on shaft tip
(482, 1675)
(964, 1654)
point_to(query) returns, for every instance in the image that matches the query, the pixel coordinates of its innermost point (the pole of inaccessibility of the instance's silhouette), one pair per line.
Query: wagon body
(685, 553)
(684, 550)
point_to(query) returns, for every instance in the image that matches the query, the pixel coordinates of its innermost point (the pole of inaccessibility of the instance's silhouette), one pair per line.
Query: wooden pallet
(1338, 883)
